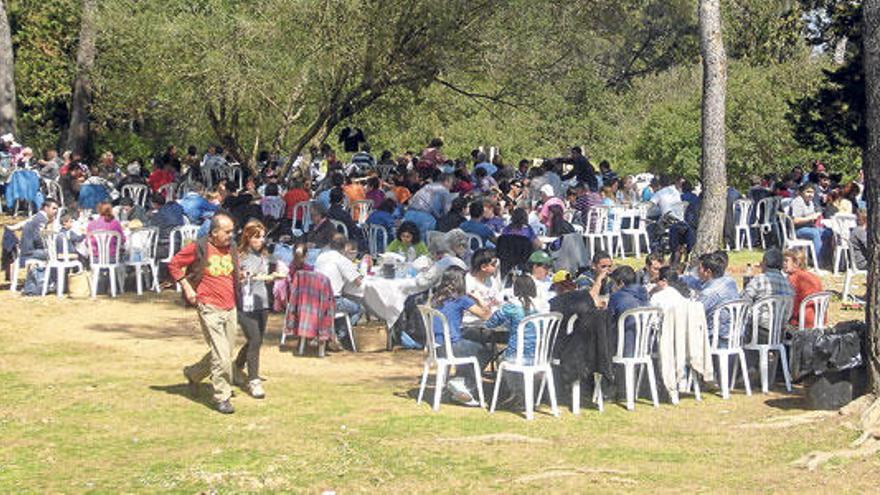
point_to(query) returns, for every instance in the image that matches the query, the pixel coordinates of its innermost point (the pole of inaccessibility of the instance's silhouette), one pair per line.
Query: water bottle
(410, 254)
(247, 296)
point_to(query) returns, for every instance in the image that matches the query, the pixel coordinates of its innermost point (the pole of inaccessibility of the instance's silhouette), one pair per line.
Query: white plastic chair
(186, 234)
(791, 241)
(613, 231)
(594, 229)
(142, 253)
(137, 192)
(18, 264)
(340, 227)
(851, 272)
(576, 385)
(302, 210)
(273, 207)
(340, 315)
(384, 171)
(431, 234)
(766, 221)
(637, 229)
(184, 187)
(53, 190)
(776, 310)
(736, 313)
(544, 326)
(647, 323)
(742, 210)
(167, 191)
(236, 175)
(429, 315)
(474, 241)
(59, 260)
(362, 209)
(378, 239)
(105, 249)
(820, 302)
(842, 225)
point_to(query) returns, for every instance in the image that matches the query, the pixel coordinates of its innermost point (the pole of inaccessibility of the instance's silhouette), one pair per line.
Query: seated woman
(802, 282)
(628, 294)
(408, 242)
(512, 312)
(451, 300)
(106, 221)
(519, 225)
(559, 226)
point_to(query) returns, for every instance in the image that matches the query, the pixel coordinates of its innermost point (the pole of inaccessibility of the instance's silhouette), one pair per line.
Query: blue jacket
(30, 234)
(195, 206)
(626, 298)
(24, 184)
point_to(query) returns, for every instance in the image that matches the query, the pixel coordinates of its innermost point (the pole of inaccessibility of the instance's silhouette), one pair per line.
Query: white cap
(8, 138)
(547, 190)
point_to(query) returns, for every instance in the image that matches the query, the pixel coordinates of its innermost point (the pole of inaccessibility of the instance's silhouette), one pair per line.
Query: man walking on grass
(207, 270)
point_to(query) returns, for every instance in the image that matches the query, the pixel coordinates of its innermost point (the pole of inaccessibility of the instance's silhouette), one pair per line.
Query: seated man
(31, 246)
(321, 230)
(343, 273)
(650, 273)
(595, 280)
(771, 282)
(858, 240)
(336, 212)
(628, 294)
(717, 289)
(669, 292)
(476, 226)
(482, 283)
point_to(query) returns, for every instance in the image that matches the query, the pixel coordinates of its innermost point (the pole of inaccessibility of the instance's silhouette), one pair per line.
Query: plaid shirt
(310, 306)
(769, 283)
(716, 292)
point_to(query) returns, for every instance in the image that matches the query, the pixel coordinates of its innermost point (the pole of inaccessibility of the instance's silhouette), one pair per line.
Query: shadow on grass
(172, 329)
(788, 403)
(203, 396)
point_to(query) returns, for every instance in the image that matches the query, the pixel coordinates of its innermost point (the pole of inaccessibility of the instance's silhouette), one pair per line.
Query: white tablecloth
(385, 297)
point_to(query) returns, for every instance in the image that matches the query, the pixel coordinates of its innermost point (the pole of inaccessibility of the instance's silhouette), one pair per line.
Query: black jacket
(589, 348)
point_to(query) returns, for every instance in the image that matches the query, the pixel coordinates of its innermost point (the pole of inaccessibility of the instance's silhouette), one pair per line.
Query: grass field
(94, 401)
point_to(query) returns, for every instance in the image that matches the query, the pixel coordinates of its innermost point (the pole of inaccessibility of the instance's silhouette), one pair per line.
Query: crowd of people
(491, 232)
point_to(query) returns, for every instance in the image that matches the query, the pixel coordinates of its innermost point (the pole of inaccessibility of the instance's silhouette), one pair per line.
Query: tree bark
(7, 74)
(78, 135)
(713, 168)
(871, 167)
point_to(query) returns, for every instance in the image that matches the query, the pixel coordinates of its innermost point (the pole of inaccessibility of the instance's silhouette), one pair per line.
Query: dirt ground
(95, 402)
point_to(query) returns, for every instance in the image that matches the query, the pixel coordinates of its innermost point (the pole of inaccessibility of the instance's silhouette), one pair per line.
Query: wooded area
(621, 78)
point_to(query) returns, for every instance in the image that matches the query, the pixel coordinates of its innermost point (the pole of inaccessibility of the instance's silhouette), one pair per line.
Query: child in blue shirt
(451, 300)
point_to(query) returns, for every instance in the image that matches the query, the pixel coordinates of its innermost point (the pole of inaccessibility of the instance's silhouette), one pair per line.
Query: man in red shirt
(296, 194)
(207, 270)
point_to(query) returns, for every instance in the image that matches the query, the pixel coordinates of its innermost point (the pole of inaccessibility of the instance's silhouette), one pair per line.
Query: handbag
(79, 284)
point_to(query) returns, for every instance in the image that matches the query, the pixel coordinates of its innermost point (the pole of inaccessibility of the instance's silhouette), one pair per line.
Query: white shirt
(490, 294)
(666, 198)
(339, 269)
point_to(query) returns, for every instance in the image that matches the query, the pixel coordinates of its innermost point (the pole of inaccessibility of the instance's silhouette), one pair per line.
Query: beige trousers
(219, 327)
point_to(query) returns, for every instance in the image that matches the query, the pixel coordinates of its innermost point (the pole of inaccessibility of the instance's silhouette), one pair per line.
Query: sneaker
(193, 385)
(459, 392)
(333, 346)
(225, 407)
(255, 387)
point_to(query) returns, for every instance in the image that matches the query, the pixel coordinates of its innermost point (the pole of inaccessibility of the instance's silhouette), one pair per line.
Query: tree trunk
(713, 169)
(871, 164)
(7, 73)
(78, 135)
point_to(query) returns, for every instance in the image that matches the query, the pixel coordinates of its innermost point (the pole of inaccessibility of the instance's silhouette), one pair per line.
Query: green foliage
(44, 40)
